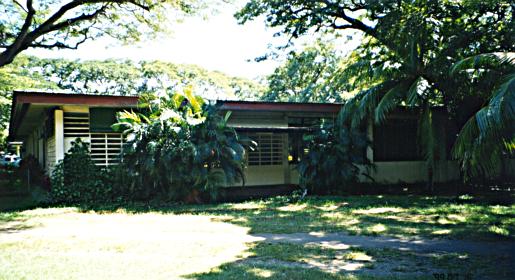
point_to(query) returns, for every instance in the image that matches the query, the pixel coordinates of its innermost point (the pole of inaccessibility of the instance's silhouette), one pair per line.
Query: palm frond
(389, 102)
(499, 114)
(363, 104)
(481, 141)
(479, 156)
(486, 60)
(413, 97)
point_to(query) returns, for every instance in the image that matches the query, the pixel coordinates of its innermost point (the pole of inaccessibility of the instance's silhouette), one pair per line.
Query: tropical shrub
(179, 148)
(336, 159)
(76, 178)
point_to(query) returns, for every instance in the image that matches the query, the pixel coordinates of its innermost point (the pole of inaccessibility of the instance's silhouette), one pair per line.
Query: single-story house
(47, 123)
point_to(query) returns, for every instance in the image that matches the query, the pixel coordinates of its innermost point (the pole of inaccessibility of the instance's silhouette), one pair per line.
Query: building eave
(22, 100)
(328, 108)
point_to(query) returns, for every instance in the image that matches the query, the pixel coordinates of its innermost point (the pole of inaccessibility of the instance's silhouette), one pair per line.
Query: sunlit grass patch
(499, 230)
(377, 228)
(332, 207)
(251, 205)
(70, 244)
(358, 256)
(261, 272)
(378, 210)
(292, 207)
(441, 232)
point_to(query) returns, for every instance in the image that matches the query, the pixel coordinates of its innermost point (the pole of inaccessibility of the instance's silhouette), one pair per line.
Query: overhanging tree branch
(75, 20)
(25, 37)
(20, 5)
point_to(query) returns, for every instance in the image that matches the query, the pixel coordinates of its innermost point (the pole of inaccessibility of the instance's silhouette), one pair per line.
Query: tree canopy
(310, 75)
(67, 24)
(407, 54)
(126, 77)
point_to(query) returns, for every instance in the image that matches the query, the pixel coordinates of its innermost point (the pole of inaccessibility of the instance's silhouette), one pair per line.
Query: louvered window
(106, 148)
(76, 124)
(269, 150)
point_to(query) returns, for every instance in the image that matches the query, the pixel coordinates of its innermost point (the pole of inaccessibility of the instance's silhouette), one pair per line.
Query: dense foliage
(180, 148)
(76, 178)
(125, 77)
(311, 75)
(406, 57)
(336, 159)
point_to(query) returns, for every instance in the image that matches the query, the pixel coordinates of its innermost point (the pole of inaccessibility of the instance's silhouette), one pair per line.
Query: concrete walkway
(343, 241)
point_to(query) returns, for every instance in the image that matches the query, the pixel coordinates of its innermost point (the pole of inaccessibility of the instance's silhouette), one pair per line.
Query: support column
(286, 163)
(59, 135)
(370, 136)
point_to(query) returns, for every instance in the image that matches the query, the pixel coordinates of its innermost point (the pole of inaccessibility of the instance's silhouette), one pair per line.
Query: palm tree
(484, 139)
(489, 135)
(396, 81)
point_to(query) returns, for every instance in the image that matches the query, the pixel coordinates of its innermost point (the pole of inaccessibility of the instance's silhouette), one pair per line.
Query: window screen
(76, 124)
(106, 148)
(269, 149)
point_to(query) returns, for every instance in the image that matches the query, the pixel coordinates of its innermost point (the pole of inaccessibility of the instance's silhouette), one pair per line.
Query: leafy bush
(335, 160)
(180, 149)
(77, 179)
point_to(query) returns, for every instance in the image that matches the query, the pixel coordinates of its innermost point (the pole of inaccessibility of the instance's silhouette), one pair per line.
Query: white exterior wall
(264, 175)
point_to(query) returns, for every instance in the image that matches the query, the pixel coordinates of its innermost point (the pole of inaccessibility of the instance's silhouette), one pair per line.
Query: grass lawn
(402, 216)
(215, 241)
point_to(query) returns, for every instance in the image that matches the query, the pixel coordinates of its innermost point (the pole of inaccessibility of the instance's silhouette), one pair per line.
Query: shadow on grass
(430, 217)
(13, 222)
(285, 261)
(16, 203)
(12, 219)
(294, 261)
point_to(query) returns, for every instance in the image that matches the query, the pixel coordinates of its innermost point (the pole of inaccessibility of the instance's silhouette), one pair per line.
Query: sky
(217, 42)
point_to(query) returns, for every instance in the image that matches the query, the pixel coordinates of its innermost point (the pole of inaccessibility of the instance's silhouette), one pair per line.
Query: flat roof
(332, 108)
(23, 100)
(55, 98)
